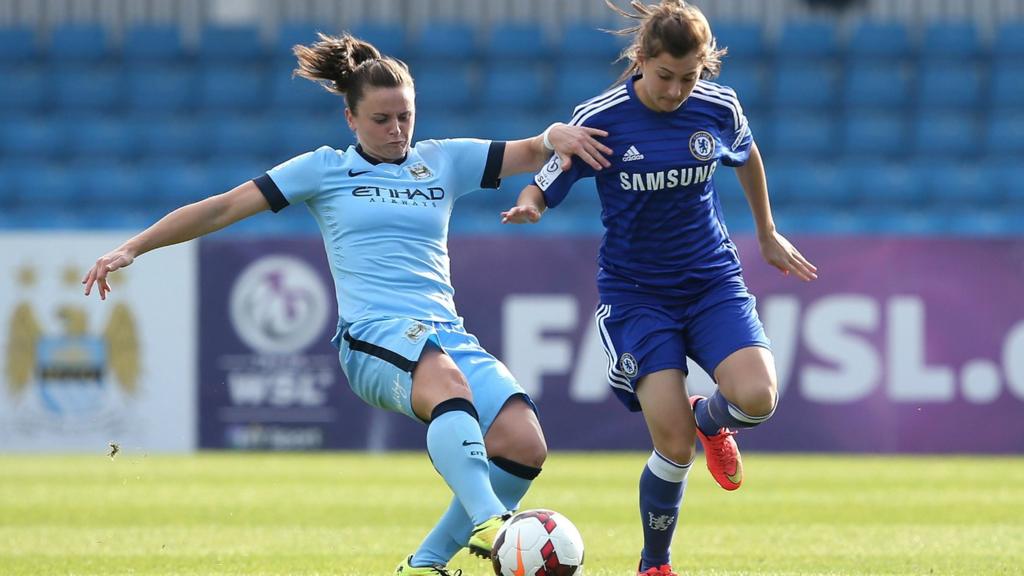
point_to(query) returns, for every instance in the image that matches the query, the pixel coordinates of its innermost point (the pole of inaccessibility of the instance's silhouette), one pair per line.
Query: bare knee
(756, 398)
(516, 435)
(679, 450)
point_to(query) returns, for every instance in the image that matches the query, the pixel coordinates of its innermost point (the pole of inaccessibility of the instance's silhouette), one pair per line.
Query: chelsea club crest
(702, 145)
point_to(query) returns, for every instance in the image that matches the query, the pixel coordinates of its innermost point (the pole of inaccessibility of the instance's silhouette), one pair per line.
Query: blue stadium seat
(17, 44)
(110, 186)
(747, 80)
(515, 41)
(950, 41)
(957, 184)
(804, 135)
(95, 88)
(175, 183)
(981, 221)
(152, 43)
(947, 134)
(875, 134)
(166, 138)
(1008, 179)
(807, 40)
(804, 183)
(501, 125)
(224, 173)
(24, 89)
(436, 125)
(744, 40)
(575, 83)
(230, 44)
(162, 88)
(514, 86)
(579, 42)
(43, 186)
(444, 88)
(102, 138)
(805, 85)
(437, 41)
(887, 185)
(234, 136)
(1008, 85)
(78, 43)
(883, 85)
(1004, 136)
(1009, 42)
(296, 134)
(389, 37)
(297, 93)
(291, 33)
(232, 86)
(950, 85)
(31, 138)
(872, 40)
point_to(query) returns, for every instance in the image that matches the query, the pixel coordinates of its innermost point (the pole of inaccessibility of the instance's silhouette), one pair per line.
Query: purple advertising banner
(901, 345)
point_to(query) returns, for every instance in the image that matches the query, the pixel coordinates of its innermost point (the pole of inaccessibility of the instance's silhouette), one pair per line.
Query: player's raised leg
(746, 396)
(455, 442)
(662, 396)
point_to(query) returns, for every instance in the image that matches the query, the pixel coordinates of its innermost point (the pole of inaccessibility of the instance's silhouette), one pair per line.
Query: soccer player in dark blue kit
(669, 279)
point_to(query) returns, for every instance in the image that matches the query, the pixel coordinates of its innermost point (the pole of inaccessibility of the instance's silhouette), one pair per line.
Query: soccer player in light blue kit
(669, 278)
(383, 208)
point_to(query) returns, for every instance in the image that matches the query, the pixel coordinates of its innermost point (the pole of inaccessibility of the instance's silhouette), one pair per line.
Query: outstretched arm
(528, 209)
(531, 154)
(775, 249)
(185, 223)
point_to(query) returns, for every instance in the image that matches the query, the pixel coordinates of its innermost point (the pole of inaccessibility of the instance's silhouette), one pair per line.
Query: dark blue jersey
(664, 233)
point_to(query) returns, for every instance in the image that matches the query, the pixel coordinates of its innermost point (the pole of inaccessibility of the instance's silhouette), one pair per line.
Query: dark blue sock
(662, 484)
(716, 412)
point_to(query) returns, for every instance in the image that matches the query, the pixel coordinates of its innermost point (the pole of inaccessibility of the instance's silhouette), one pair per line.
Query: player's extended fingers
(89, 279)
(595, 163)
(595, 131)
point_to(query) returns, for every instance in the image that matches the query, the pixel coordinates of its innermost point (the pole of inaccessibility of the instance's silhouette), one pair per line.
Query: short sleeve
(295, 180)
(736, 136)
(474, 164)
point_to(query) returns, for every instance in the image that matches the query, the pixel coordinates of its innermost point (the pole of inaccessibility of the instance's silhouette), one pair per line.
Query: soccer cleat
(663, 570)
(407, 569)
(722, 454)
(482, 539)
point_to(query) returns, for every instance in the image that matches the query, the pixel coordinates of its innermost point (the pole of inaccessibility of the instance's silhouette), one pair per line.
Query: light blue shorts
(379, 356)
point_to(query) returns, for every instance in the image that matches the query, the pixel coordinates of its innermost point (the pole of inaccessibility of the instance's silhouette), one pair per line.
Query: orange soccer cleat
(663, 570)
(722, 455)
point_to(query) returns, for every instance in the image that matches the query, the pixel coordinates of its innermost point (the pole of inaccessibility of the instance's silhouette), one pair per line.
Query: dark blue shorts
(642, 338)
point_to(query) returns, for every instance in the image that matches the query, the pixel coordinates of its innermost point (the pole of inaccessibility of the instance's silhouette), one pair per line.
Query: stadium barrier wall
(902, 345)
(78, 373)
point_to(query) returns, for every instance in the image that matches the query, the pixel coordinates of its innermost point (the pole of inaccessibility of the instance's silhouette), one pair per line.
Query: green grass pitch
(350, 513)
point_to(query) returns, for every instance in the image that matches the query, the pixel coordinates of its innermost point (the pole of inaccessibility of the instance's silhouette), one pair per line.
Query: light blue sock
(715, 413)
(451, 533)
(662, 485)
(456, 447)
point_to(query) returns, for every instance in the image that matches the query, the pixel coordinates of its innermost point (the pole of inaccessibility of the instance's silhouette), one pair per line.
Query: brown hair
(672, 26)
(346, 65)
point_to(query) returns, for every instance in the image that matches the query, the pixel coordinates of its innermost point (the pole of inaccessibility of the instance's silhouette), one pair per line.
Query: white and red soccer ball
(538, 543)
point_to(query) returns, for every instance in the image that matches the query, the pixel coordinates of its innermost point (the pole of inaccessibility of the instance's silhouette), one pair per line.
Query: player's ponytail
(345, 65)
(672, 26)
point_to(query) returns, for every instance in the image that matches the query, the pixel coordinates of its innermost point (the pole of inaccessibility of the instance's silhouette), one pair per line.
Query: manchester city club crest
(702, 145)
(67, 378)
(420, 171)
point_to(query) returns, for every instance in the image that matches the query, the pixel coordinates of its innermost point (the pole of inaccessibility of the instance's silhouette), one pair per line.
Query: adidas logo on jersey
(632, 154)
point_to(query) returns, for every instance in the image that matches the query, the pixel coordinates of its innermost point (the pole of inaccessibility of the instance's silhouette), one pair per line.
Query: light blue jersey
(385, 226)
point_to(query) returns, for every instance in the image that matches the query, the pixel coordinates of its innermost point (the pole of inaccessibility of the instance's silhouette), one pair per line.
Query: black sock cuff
(515, 468)
(454, 405)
